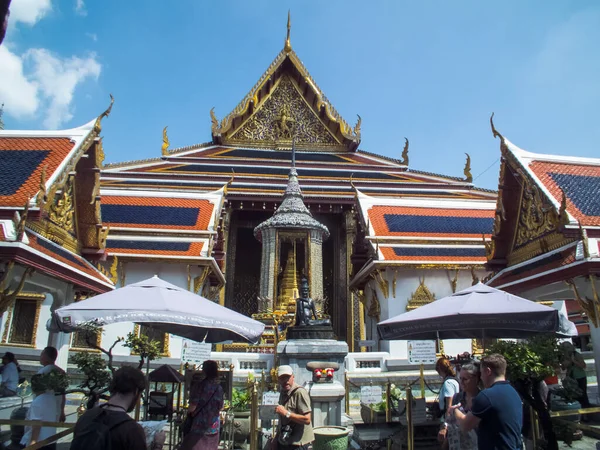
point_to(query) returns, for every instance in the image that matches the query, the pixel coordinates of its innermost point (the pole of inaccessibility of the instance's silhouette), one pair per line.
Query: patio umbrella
(163, 306)
(479, 311)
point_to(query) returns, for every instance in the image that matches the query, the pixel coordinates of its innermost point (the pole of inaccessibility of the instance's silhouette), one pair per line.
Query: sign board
(421, 352)
(193, 352)
(270, 398)
(370, 394)
(367, 343)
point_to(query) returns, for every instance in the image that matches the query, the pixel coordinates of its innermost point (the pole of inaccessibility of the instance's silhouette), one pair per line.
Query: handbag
(189, 420)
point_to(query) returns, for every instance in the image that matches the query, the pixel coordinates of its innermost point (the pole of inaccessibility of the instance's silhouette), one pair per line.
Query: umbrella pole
(146, 399)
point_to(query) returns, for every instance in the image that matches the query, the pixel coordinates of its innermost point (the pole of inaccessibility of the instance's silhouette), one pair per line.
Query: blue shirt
(501, 412)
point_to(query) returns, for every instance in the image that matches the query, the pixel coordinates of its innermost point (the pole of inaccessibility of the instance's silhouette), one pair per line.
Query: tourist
(110, 426)
(10, 375)
(449, 386)
(496, 412)
(294, 430)
(47, 405)
(575, 365)
(206, 402)
(469, 383)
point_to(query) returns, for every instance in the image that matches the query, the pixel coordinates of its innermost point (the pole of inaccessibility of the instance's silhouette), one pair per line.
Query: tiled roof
(133, 247)
(156, 212)
(579, 182)
(430, 222)
(454, 254)
(21, 162)
(554, 260)
(58, 253)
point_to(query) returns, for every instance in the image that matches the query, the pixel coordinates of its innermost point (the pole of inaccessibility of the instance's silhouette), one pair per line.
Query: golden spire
(288, 45)
(166, 143)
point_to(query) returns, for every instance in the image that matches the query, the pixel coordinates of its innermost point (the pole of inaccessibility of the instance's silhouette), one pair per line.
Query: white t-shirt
(449, 388)
(10, 376)
(46, 407)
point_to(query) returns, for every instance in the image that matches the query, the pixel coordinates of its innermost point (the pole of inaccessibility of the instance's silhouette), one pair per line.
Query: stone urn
(241, 426)
(331, 438)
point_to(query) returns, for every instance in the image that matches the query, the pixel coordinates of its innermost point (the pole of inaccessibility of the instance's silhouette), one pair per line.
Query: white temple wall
(407, 281)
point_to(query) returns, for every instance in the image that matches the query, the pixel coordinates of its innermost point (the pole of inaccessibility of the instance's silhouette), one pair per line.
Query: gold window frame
(166, 340)
(39, 298)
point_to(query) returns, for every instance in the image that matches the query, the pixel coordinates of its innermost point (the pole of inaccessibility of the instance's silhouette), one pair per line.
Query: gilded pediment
(284, 116)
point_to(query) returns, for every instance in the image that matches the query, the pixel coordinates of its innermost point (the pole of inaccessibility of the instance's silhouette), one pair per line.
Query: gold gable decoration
(284, 115)
(536, 217)
(339, 134)
(421, 297)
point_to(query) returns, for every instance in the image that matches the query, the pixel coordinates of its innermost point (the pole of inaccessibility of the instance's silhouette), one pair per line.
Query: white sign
(270, 398)
(421, 352)
(193, 352)
(370, 394)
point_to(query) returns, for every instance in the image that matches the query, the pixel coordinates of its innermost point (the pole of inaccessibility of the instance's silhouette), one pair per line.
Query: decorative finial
(41, 197)
(294, 153)
(352, 181)
(230, 182)
(214, 121)
(494, 131)
(1, 113)
(357, 126)
(166, 143)
(288, 46)
(98, 125)
(563, 217)
(467, 170)
(584, 240)
(404, 161)
(475, 278)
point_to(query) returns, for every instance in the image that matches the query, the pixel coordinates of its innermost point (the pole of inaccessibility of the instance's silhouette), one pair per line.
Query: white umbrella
(163, 306)
(474, 312)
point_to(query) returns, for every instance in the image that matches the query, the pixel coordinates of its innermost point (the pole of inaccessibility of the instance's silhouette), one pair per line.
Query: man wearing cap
(295, 429)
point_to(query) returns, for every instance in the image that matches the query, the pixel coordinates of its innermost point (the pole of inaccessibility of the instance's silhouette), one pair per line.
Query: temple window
(154, 335)
(22, 320)
(86, 340)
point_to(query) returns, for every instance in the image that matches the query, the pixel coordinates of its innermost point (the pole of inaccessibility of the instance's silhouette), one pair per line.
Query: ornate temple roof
(286, 103)
(552, 232)
(418, 231)
(292, 213)
(30, 158)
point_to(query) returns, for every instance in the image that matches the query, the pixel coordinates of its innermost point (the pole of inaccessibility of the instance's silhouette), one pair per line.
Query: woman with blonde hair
(448, 390)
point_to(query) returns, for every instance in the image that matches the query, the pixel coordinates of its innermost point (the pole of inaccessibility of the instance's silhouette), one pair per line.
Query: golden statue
(289, 284)
(166, 143)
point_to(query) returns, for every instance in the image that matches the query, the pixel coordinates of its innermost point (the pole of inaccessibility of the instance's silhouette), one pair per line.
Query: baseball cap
(285, 370)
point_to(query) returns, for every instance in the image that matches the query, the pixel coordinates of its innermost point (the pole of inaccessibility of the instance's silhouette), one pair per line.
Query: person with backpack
(109, 426)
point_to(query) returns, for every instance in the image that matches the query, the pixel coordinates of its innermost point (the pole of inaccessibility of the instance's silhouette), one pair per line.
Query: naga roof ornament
(285, 101)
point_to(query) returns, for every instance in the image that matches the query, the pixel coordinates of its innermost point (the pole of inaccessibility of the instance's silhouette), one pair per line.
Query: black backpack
(94, 434)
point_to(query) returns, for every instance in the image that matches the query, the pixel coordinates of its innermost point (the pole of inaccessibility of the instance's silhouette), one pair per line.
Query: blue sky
(432, 71)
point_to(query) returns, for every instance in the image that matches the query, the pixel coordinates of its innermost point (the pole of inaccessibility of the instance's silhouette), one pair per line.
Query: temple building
(393, 237)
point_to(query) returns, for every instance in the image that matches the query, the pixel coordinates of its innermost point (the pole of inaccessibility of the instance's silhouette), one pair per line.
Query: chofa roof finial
(288, 45)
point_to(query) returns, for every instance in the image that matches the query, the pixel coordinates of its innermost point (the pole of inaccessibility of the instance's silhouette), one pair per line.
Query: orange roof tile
(57, 147)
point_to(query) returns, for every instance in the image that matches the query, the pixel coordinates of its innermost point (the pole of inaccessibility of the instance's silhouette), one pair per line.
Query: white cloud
(80, 8)
(92, 36)
(19, 95)
(41, 83)
(29, 11)
(57, 79)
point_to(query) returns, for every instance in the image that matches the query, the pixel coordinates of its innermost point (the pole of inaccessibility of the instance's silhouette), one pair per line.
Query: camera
(286, 433)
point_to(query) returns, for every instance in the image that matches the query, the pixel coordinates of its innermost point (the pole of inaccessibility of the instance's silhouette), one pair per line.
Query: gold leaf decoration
(421, 297)
(62, 210)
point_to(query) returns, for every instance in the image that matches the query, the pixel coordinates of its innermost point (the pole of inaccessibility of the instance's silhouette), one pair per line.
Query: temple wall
(438, 282)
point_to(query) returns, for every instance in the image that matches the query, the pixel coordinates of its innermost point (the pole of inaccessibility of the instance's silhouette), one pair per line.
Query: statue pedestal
(327, 403)
(324, 396)
(318, 332)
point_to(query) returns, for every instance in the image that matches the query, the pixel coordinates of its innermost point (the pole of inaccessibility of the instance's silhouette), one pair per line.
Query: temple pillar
(316, 264)
(269, 268)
